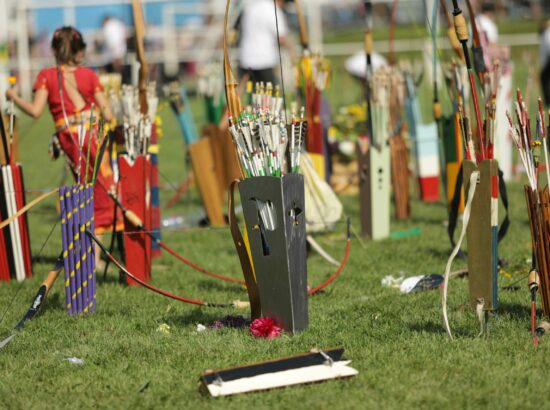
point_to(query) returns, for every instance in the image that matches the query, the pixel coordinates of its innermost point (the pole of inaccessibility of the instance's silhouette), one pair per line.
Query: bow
(451, 33)
(477, 50)
(143, 75)
(235, 304)
(38, 300)
(368, 73)
(391, 51)
(462, 34)
(304, 39)
(138, 224)
(4, 136)
(231, 83)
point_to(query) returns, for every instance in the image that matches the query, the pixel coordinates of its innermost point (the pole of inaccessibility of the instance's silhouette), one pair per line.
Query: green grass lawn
(397, 342)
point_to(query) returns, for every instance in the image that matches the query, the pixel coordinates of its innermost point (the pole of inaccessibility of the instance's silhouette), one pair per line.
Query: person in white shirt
(114, 40)
(258, 47)
(544, 59)
(486, 24)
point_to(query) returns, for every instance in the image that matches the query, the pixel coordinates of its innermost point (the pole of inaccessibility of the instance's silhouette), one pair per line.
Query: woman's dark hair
(67, 42)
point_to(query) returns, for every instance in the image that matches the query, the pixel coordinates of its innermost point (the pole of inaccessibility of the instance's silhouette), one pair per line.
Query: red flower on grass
(265, 327)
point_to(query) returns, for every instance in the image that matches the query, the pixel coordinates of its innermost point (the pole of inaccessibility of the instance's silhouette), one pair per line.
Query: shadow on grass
(445, 253)
(199, 315)
(438, 328)
(218, 285)
(516, 311)
(112, 278)
(54, 302)
(50, 259)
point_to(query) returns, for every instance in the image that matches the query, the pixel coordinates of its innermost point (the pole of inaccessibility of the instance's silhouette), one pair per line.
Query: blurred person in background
(258, 45)
(70, 90)
(114, 42)
(544, 56)
(486, 23)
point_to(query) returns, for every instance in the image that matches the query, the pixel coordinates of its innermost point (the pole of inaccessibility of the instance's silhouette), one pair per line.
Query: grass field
(396, 341)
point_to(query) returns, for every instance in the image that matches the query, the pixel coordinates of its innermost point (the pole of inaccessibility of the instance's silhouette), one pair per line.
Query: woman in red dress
(70, 89)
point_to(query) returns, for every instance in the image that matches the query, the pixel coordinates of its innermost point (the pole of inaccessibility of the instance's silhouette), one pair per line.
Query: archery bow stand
(135, 189)
(278, 251)
(374, 165)
(482, 234)
(15, 251)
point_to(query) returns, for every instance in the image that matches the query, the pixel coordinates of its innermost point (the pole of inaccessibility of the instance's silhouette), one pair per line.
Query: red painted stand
(7, 245)
(135, 186)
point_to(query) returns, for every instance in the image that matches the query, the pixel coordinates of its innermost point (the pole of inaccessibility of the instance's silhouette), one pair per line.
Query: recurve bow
(231, 83)
(139, 26)
(477, 50)
(451, 33)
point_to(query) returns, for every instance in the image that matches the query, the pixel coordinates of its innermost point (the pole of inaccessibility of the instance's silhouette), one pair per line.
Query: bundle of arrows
(261, 139)
(137, 126)
(15, 251)
(210, 86)
(529, 146)
(77, 210)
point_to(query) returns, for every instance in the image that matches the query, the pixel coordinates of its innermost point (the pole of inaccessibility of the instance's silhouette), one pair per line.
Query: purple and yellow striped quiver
(77, 217)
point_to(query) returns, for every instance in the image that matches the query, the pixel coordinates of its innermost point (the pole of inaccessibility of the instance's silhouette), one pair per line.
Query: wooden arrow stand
(374, 190)
(279, 254)
(482, 234)
(136, 193)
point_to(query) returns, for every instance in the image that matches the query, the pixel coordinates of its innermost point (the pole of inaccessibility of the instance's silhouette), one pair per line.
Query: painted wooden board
(482, 234)
(211, 132)
(20, 202)
(155, 194)
(279, 254)
(207, 182)
(136, 196)
(426, 147)
(374, 191)
(427, 157)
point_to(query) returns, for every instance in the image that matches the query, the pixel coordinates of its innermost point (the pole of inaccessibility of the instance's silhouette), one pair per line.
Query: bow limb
(477, 49)
(27, 207)
(38, 300)
(451, 33)
(138, 224)
(461, 29)
(139, 26)
(231, 84)
(368, 73)
(340, 268)
(154, 288)
(391, 51)
(304, 39)
(433, 27)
